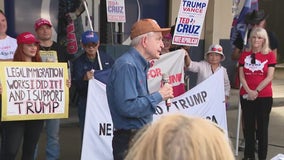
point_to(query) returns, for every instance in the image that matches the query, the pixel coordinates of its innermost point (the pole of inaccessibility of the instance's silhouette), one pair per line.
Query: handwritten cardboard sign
(34, 90)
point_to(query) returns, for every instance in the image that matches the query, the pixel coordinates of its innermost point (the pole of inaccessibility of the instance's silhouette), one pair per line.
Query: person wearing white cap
(130, 103)
(210, 64)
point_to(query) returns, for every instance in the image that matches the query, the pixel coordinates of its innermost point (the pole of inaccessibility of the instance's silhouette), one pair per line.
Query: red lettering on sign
(72, 46)
(152, 73)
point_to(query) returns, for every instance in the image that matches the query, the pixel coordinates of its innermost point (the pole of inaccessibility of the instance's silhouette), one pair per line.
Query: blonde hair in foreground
(180, 137)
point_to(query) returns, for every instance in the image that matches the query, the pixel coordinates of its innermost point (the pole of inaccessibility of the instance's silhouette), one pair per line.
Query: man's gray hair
(136, 40)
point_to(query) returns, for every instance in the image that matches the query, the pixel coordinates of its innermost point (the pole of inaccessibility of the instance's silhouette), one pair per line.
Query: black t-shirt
(62, 54)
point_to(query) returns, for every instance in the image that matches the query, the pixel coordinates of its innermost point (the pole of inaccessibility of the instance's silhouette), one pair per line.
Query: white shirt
(203, 68)
(8, 47)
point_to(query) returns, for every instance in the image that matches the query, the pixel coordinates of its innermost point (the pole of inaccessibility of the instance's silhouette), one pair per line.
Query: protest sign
(48, 56)
(189, 22)
(172, 64)
(34, 90)
(115, 11)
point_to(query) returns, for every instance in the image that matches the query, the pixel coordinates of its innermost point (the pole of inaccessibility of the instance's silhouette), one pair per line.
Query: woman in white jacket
(210, 64)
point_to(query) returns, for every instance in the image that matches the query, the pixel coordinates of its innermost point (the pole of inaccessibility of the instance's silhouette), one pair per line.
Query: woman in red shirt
(257, 65)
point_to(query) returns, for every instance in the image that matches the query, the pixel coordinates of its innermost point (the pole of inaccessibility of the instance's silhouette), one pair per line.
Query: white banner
(98, 130)
(205, 100)
(172, 64)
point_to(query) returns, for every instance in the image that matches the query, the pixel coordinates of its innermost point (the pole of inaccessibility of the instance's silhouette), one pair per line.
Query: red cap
(41, 22)
(26, 38)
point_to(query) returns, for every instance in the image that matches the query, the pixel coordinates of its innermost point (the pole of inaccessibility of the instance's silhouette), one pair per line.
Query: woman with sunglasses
(257, 65)
(210, 64)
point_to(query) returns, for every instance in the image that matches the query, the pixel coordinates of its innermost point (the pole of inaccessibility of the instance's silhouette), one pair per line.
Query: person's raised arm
(187, 59)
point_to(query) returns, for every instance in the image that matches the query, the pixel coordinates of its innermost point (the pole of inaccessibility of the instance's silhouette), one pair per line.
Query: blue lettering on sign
(187, 3)
(186, 28)
(115, 9)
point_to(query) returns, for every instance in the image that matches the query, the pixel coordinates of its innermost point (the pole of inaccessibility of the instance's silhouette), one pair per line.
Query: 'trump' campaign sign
(34, 90)
(189, 22)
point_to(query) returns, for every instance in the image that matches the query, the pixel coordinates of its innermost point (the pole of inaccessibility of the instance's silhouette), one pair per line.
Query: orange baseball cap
(145, 26)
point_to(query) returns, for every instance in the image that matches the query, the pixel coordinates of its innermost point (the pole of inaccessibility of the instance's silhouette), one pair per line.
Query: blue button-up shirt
(130, 103)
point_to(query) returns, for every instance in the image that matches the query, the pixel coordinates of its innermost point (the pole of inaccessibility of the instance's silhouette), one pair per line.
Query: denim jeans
(52, 132)
(52, 139)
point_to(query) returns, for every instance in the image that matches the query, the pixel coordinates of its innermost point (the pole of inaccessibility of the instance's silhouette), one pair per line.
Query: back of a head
(180, 137)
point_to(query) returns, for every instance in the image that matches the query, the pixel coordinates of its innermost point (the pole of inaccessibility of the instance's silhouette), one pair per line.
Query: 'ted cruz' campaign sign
(189, 22)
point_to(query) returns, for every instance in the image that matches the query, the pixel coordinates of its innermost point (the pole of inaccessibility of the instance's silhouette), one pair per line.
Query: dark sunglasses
(252, 56)
(89, 45)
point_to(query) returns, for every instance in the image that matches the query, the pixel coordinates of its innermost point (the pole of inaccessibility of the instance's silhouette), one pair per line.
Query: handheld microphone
(165, 80)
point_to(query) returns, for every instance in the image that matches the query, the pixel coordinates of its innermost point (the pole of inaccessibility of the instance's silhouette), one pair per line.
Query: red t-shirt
(257, 72)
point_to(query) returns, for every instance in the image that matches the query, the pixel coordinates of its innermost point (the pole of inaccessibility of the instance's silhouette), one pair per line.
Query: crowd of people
(135, 136)
(30, 48)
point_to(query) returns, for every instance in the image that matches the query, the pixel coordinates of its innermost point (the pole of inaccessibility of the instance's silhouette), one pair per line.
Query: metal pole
(92, 29)
(238, 126)
(238, 130)
(88, 15)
